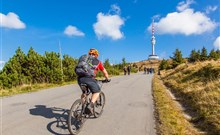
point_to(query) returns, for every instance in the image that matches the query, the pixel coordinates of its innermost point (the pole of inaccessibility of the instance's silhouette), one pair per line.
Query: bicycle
(79, 112)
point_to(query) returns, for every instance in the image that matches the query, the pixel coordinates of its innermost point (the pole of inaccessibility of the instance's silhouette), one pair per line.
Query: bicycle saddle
(85, 88)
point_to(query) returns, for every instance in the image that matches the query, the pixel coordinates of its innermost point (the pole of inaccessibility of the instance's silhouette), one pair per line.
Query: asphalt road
(128, 110)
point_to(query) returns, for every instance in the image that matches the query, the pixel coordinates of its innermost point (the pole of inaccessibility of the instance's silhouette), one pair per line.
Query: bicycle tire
(99, 105)
(75, 118)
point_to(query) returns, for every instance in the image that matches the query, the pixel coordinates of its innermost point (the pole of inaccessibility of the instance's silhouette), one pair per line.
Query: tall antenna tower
(153, 39)
(153, 56)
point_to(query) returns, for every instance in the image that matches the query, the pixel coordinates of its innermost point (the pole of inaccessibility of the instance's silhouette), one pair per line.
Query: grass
(35, 87)
(170, 119)
(29, 88)
(198, 87)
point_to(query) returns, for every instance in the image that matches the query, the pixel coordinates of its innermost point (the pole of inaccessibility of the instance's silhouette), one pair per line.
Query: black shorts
(91, 83)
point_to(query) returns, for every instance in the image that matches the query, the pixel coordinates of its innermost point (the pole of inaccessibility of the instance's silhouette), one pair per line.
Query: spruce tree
(164, 64)
(177, 58)
(193, 56)
(203, 55)
(213, 55)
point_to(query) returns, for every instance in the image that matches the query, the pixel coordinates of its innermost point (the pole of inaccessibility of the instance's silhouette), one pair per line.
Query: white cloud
(186, 22)
(217, 43)
(184, 5)
(108, 25)
(210, 9)
(115, 9)
(73, 31)
(156, 16)
(11, 20)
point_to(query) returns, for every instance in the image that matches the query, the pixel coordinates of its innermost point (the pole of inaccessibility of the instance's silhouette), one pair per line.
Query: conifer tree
(36, 67)
(177, 58)
(203, 55)
(53, 70)
(213, 55)
(14, 69)
(69, 65)
(193, 56)
(164, 64)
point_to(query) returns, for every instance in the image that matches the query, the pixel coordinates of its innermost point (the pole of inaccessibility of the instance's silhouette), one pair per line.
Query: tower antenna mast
(153, 56)
(61, 63)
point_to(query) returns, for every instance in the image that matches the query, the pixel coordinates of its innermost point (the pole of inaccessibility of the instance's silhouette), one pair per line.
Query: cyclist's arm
(104, 71)
(105, 74)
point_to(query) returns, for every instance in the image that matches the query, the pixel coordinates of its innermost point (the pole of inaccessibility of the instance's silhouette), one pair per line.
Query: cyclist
(90, 80)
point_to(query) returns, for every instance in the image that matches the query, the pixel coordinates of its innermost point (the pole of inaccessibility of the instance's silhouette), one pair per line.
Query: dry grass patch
(170, 119)
(198, 85)
(29, 88)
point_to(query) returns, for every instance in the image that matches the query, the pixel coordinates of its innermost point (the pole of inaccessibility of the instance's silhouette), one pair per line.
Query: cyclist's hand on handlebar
(107, 80)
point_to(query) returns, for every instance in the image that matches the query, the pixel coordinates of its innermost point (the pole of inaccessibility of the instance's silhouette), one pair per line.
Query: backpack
(85, 67)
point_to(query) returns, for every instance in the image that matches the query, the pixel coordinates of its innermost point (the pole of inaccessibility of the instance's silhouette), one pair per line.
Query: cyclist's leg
(95, 97)
(95, 89)
(92, 85)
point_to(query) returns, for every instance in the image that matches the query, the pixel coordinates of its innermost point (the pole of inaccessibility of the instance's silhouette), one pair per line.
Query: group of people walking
(127, 69)
(148, 70)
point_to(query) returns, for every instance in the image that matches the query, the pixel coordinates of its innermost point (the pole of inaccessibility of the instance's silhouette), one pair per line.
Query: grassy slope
(170, 119)
(198, 85)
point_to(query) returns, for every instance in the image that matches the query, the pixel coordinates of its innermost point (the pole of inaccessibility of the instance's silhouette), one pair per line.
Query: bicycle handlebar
(104, 81)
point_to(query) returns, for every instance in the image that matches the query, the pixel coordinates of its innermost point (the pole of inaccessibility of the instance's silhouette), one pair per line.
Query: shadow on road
(57, 127)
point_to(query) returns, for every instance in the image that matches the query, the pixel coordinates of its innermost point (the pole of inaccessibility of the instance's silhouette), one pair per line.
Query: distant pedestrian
(125, 70)
(145, 70)
(159, 72)
(129, 69)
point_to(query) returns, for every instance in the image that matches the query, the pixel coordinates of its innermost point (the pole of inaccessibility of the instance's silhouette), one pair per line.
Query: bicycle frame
(80, 114)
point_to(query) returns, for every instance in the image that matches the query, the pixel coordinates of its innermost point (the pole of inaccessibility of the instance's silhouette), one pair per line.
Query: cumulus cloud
(156, 17)
(186, 22)
(217, 43)
(11, 20)
(184, 5)
(210, 9)
(108, 25)
(73, 31)
(115, 9)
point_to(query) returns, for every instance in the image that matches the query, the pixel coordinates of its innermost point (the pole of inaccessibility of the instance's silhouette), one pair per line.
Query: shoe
(90, 107)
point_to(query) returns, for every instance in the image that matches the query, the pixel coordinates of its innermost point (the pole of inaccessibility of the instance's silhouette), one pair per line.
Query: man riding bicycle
(89, 79)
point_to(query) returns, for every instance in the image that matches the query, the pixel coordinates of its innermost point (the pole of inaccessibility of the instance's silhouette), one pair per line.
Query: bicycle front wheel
(75, 118)
(99, 105)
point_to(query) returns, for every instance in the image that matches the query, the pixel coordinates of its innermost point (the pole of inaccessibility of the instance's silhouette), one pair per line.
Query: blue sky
(117, 28)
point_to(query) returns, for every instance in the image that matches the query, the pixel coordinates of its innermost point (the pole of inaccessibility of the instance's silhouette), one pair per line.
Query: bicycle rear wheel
(75, 118)
(99, 105)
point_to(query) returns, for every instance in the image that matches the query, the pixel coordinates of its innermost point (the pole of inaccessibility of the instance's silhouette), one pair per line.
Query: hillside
(197, 87)
(148, 64)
